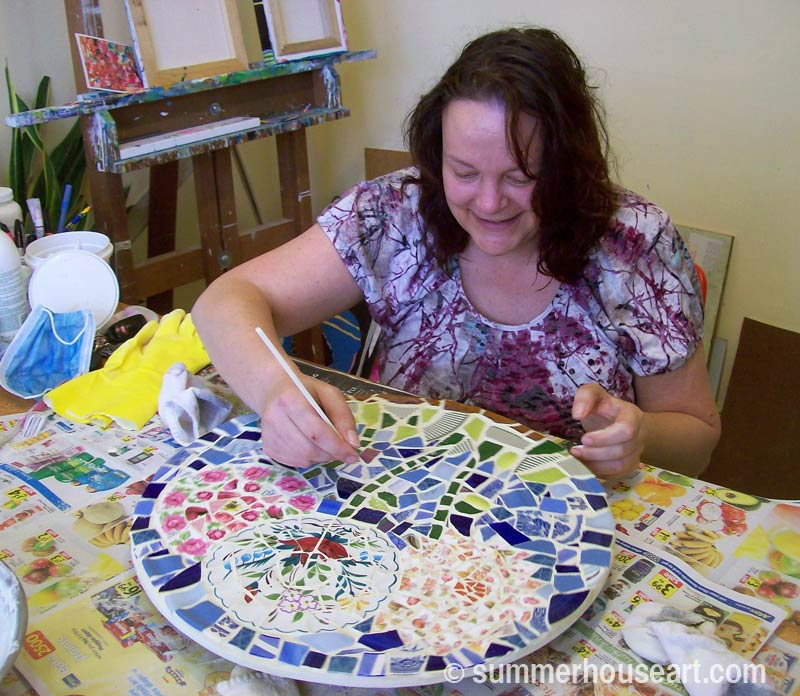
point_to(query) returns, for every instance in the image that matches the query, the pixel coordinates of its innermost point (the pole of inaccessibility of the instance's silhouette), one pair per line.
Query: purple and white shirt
(636, 311)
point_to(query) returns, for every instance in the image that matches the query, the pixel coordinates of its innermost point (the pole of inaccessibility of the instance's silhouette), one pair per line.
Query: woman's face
(485, 189)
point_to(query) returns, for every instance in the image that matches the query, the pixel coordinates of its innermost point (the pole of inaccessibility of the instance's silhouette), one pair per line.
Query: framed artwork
(108, 65)
(302, 28)
(179, 40)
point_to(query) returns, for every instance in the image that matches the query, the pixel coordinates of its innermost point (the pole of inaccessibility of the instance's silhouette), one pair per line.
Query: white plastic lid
(72, 280)
(6, 194)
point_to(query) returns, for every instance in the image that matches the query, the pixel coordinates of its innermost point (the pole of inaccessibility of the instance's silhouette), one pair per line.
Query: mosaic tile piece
(458, 540)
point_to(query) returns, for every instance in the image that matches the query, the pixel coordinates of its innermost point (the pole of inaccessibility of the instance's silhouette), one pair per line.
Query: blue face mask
(48, 349)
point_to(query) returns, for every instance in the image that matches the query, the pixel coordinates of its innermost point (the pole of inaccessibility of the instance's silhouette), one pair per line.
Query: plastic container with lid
(13, 292)
(9, 208)
(41, 249)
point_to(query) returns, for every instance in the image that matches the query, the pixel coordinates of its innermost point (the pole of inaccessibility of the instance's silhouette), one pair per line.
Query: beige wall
(702, 97)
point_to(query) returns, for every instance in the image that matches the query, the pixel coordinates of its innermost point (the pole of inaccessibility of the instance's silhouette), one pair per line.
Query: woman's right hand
(293, 433)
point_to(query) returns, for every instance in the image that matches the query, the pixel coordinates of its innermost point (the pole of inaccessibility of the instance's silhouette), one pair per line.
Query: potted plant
(35, 172)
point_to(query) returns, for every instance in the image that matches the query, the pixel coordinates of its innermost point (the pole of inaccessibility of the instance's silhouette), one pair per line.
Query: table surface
(9, 403)
(653, 511)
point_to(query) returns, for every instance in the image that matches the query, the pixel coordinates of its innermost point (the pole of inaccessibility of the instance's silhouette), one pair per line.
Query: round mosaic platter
(460, 538)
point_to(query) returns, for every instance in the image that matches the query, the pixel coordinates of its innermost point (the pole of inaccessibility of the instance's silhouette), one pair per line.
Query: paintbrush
(293, 376)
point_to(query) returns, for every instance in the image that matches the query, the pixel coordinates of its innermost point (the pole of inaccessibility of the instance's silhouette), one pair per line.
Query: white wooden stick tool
(293, 376)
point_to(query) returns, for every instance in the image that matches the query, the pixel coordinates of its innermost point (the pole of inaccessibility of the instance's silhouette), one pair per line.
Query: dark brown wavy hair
(530, 71)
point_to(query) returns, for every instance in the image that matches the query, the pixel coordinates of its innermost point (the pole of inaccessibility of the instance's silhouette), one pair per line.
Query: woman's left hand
(614, 440)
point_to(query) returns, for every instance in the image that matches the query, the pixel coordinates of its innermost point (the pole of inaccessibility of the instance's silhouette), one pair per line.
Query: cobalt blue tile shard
(564, 605)
(382, 641)
(495, 650)
(186, 578)
(458, 542)
(314, 660)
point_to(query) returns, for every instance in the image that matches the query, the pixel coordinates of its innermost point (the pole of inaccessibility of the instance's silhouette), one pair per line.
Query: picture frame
(301, 29)
(180, 40)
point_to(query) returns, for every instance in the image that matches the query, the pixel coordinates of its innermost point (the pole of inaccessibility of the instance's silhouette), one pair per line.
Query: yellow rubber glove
(126, 388)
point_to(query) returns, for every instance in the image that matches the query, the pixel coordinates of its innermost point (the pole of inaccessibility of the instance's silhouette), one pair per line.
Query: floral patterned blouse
(636, 311)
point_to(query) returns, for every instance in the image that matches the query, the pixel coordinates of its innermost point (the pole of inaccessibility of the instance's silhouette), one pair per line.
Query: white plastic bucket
(93, 242)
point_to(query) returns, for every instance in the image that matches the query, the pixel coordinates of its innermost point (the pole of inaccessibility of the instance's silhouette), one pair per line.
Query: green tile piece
(478, 501)
(370, 414)
(466, 508)
(452, 439)
(403, 432)
(389, 498)
(474, 427)
(429, 413)
(413, 420)
(436, 532)
(446, 500)
(377, 503)
(546, 447)
(368, 433)
(388, 420)
(440, 515)
(505, 460)
(549, 475)
(487, 450)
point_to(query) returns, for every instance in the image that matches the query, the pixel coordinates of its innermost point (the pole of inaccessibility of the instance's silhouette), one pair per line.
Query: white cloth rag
(667, 636)
(246, 682)
(188, 408)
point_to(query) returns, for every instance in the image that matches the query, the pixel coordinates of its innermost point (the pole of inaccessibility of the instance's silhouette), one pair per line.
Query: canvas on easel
(303, 28)
(184, 40)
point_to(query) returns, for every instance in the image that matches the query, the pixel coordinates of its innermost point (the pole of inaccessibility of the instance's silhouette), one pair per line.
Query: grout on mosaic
(457, 539)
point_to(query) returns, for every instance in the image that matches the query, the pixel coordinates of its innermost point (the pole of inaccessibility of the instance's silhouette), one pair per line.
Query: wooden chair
(760, 446)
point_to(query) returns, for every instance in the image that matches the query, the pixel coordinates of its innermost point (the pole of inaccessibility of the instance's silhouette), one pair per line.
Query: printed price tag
(662, 534)
(37, 646)
(638, 598)
(688, 511)
(613, 621)
(49, 535)
(624, 557)
(753, 582)
(129, 588)
(663, 586)
(583, 650)
(17, 495)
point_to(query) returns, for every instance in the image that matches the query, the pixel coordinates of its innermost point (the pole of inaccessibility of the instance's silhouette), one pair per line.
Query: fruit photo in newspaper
(777, 539)
(722, 517)
(696, 546)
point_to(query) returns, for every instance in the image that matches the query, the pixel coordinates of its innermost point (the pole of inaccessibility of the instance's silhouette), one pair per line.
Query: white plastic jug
(13, 291)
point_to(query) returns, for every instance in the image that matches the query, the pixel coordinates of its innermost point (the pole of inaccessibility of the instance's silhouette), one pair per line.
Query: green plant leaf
(36, 173)
(41, 93)
(16, 165)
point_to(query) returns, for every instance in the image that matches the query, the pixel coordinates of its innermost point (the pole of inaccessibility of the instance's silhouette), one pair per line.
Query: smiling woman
(504, 270)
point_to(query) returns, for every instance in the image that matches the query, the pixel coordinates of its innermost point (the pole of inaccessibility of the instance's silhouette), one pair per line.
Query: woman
(505, 270)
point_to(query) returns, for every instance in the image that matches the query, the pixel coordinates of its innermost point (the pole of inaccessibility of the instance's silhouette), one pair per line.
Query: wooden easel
(288, 98)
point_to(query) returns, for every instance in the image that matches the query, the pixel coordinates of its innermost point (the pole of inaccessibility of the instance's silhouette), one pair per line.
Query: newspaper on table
(67, 495)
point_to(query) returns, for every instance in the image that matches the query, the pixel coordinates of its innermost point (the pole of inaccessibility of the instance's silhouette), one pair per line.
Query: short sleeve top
(636, 310)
